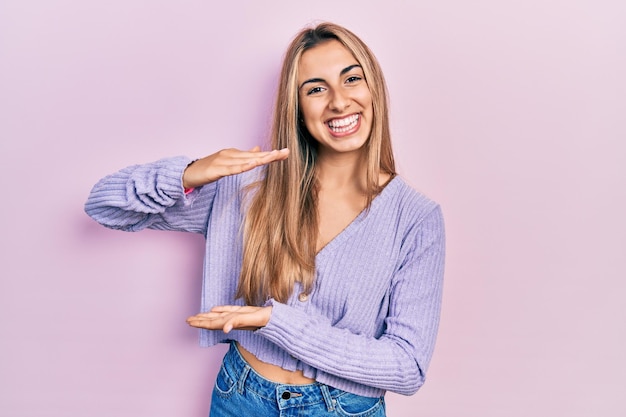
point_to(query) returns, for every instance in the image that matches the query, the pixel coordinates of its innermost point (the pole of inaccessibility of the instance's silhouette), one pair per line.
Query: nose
(339, 101)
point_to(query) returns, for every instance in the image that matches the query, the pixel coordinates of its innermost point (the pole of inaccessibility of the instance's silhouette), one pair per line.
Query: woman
(323, 268)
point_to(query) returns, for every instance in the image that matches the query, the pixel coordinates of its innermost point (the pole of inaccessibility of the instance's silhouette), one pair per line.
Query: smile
(344, 125)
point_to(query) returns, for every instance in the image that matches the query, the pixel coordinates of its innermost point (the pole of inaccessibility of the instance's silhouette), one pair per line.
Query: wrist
(186, 183)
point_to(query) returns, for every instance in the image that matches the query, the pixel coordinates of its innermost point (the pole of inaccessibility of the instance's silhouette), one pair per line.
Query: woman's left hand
(227, 318)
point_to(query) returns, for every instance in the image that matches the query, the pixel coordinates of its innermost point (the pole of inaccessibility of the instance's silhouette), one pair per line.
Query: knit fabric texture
(370, 323)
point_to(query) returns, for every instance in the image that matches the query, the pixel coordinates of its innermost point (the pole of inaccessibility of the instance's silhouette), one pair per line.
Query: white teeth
(345, 124)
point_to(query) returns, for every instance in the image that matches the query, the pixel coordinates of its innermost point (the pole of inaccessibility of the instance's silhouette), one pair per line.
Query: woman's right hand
(228, 162)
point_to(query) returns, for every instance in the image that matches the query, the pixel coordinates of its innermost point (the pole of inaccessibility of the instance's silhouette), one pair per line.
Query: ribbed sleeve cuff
(171, 172)
(283, 324)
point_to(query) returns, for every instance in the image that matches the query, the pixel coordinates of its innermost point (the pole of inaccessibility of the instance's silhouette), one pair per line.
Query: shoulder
(407, 204)
(418, 219)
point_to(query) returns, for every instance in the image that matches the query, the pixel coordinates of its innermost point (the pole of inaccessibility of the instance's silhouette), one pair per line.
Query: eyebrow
(321, 80)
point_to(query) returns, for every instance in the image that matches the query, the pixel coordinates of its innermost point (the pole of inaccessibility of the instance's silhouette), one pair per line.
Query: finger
(201, 318)
(225, 309)
(273, 156)
(277, 155)
(220, 324)
(227, 327)
(206, 324)
(211, 315)
(255, 153)
(233, 157)
(236, 165)
(208, 316)
(239, 154)
(238, 322)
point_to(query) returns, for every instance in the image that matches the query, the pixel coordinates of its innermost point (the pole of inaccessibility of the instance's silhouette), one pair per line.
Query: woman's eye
(314, 90)
(353, 79)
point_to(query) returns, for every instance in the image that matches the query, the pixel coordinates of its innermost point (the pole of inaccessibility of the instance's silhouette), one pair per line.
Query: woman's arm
(150, 196)
(153, 195)
(397, 360)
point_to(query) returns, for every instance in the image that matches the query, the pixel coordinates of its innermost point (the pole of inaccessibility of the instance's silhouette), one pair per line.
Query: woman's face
(334, 99)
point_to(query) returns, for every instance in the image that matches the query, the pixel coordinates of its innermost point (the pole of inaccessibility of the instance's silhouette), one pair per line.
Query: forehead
(325, 60)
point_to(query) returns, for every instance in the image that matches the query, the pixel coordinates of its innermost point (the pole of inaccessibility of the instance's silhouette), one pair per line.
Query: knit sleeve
(397, 360)
(151, 196)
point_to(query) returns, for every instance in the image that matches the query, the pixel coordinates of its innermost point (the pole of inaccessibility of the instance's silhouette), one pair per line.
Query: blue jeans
(241, 392)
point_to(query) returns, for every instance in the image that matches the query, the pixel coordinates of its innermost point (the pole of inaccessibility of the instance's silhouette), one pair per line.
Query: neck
(342, 170)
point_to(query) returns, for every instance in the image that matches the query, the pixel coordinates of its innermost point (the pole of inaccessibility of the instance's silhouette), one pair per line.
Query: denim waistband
(285, 395)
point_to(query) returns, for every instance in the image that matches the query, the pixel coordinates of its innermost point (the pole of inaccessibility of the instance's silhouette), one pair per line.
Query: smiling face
(334, 99)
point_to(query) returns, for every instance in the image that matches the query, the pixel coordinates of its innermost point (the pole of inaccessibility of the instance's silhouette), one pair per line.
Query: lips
(344, 125)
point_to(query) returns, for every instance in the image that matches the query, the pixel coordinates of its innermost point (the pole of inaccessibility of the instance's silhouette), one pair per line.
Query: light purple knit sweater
(369, 324)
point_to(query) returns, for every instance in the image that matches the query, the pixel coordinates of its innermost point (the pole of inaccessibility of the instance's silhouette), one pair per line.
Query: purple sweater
(370, 322)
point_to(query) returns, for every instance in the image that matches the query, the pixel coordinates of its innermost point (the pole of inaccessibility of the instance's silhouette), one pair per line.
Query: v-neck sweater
(370, 322)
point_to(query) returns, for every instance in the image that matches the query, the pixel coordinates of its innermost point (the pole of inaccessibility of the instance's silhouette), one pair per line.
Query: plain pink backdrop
(511, 114)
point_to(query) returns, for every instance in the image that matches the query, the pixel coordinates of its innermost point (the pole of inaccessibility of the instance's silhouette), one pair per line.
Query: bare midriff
(272, 372)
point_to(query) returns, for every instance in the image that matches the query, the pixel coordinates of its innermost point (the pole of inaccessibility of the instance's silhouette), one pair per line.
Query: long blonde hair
(281, 225)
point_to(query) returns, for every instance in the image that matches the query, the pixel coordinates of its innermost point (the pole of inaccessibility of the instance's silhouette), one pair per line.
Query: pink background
(511, 114)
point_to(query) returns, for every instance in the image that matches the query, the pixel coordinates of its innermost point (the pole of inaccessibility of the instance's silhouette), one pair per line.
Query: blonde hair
(281, 225)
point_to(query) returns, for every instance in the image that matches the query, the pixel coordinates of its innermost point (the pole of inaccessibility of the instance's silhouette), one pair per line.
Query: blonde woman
(323, 268)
